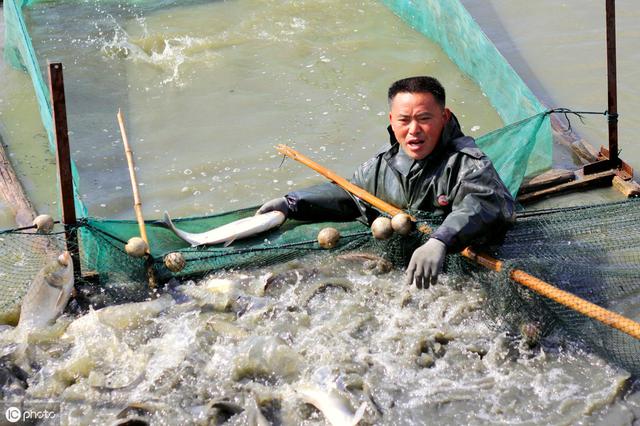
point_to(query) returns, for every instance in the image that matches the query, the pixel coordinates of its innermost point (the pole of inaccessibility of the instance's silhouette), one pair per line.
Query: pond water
(208, 89)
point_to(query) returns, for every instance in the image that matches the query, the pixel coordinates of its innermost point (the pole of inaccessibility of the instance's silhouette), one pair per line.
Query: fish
(230, 232)
(48, 294)
(343, 284)
(334, 406)
(266, 357)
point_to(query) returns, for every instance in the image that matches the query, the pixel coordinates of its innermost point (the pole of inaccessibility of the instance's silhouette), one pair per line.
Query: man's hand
(278, 204)
(426, 263)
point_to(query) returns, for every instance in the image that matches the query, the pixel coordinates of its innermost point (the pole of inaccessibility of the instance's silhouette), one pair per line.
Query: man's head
(417, 114)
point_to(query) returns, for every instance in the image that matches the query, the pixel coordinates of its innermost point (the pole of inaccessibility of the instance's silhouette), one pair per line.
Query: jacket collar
(399, 160)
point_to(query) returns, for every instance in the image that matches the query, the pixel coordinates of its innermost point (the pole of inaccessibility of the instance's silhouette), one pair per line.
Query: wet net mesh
(592, 252)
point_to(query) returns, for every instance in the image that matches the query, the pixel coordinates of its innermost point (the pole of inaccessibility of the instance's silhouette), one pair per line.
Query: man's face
(417, 122)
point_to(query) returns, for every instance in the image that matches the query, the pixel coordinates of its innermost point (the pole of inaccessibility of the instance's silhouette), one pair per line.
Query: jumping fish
(230, 232)
(48, 294)
(335, 408)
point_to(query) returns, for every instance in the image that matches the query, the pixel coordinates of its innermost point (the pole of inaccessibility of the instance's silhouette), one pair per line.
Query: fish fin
(359, 414)
(166, 220)
(228, 243)
(59, 302)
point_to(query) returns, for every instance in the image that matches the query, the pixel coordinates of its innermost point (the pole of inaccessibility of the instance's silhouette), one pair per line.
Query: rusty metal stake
(63, 160)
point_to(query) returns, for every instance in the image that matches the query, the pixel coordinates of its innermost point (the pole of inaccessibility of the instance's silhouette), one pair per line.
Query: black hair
(420, 84)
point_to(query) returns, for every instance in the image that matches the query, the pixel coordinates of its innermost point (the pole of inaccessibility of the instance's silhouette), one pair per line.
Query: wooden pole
(63, 160)
(137, 203)
(612, 84)
(567, 299)
(13, 193)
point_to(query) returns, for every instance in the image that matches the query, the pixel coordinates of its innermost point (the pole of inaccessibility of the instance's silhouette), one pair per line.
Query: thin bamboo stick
(137, 204)
(543, 288)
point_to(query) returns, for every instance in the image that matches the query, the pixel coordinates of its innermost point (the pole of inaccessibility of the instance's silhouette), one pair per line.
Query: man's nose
(413, 127)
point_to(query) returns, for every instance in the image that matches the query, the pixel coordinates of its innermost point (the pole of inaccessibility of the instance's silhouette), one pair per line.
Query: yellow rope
(545, 289)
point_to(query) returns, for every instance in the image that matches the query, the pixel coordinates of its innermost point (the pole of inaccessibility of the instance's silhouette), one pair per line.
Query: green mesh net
(293, 239)
(592, 252)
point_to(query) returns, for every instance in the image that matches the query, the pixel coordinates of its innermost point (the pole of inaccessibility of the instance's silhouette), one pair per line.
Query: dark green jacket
(456, 180)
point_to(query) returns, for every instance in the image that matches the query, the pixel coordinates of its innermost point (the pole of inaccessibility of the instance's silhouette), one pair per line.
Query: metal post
(612, 87)
(63, 160)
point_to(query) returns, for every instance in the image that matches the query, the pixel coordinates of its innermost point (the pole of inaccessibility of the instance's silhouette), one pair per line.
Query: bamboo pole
(345, 184)
(545, 289)
(137, 204)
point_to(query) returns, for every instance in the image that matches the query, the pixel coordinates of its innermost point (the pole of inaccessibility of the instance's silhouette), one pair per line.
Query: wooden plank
(549, 178)
(13, 193)
(593, 180)
(583, 151)
(628, 188)
(625, 171)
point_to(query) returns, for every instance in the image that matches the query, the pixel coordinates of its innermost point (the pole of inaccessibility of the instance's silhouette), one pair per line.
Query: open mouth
(64, 259)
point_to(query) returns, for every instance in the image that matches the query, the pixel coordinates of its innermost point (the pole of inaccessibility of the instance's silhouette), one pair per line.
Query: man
(430, 166)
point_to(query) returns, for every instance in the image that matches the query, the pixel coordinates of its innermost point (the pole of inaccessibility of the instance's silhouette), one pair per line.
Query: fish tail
(166, 221)
(357, 416)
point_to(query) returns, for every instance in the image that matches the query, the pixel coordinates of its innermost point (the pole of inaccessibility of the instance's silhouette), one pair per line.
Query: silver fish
(230, 232)
(48, 294)
(334, 406)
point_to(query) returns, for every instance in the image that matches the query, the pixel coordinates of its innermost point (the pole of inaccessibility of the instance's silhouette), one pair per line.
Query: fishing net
(592, 252)
(22, 255)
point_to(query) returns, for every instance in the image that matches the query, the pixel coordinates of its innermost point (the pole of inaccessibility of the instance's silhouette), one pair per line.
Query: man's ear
(447, 114)
(390, 118)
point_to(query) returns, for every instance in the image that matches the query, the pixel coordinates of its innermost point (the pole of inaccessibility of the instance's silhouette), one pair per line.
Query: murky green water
(559, 49)
(207, 90)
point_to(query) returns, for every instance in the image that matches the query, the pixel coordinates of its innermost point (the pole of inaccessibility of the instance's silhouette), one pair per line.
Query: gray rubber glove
(279, 204)
(426, 263)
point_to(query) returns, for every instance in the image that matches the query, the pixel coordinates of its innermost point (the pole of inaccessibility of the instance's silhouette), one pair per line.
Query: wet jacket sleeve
(481, 206)
(324, 202)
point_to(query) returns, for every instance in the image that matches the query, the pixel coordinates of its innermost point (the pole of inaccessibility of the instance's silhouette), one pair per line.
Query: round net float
(136, 247)
(43, 223)
(175, 261)
(381, 228)
(402, 224)
(328, 237)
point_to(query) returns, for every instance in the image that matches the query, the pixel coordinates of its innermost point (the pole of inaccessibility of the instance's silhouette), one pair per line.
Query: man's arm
(324, 202)
(481, 206)
(327, 201)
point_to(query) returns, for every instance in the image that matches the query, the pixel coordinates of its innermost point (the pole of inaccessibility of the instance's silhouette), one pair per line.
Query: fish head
(59, 272)
(65, 259)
